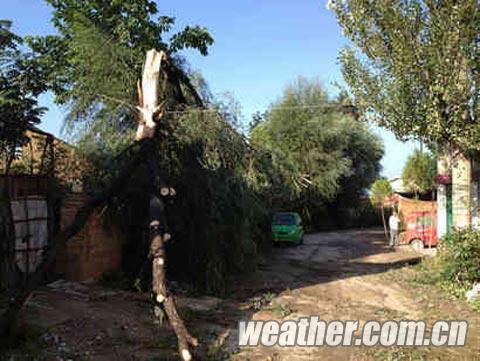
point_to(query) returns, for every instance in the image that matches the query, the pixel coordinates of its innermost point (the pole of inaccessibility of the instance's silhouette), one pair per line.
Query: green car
(287, 227)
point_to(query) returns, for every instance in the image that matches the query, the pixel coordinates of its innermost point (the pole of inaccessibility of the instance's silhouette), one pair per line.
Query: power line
(326, 104)
(310, 106)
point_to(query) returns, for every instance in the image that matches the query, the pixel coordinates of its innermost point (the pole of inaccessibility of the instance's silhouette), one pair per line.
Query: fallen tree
(151, 111)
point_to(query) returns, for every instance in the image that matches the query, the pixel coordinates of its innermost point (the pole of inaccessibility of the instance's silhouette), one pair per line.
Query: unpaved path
(345, 275)
(352, 275)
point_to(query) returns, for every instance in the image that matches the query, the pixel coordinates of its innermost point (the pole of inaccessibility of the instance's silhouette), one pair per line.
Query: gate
(25, 225)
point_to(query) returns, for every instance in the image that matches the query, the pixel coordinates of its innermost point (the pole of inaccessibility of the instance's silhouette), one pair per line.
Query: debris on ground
(202, 304)
(74, 289)
(336, 275)
(473, 294)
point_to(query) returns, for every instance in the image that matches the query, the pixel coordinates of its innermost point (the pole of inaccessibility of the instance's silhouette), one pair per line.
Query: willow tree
(93, 62)
(321, 150)
(148, 114)
(413, 66)
(93, 65)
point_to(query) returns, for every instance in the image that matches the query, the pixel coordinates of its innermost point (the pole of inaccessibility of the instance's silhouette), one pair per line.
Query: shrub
(459, 256)
(457, 265)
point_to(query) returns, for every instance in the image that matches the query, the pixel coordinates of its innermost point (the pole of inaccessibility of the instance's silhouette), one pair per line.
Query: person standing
(393, 223)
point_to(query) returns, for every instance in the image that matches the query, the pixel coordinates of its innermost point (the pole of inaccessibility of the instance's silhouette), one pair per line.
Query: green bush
(457, 265)
(459, 255)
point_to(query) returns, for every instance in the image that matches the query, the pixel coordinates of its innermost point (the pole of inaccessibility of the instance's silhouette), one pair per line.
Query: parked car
(287, 228)
(420, 229)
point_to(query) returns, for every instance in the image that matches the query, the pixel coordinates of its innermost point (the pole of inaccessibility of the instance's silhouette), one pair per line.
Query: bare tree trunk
(158, 238)
(8, 162)
(382, 210)
(432, 223)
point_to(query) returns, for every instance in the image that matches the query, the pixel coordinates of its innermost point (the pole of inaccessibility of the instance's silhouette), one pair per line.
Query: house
(39, 196)
(398, 186)
(45, 155)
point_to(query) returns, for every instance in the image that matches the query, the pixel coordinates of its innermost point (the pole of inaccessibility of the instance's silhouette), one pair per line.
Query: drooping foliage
(221, 214)
(18, 107)
(227, 188)
(93, 63)
(419, 172)
(327, 157)
(414, 66)
(217, 214)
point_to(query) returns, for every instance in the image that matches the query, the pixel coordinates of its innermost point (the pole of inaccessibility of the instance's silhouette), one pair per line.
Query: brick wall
(93, 251)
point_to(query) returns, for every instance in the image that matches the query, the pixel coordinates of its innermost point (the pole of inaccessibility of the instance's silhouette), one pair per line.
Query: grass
(434, 301)
(476, 305)
(423, 278)
(426, 273)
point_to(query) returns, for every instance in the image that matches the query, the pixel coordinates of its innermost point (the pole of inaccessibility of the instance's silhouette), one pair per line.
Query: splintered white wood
(149, 108)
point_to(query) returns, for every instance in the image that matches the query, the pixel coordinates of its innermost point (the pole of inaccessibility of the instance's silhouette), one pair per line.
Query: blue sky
(260, 46)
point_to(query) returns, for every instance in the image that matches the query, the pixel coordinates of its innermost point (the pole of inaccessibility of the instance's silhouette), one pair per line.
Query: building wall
(442, 210)
(93, 251)
(44, 154)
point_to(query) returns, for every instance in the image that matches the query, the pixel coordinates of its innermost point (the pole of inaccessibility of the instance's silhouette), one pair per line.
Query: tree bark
(158, 237)
(382, 210)
(150, 113)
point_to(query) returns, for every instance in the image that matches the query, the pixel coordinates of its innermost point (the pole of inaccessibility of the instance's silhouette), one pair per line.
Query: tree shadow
(324, 257)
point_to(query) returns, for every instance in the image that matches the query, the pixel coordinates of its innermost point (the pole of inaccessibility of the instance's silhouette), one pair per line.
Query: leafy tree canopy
(316, 144)
(419, 172)
(414, 66)
(380, 190)
(94, 61)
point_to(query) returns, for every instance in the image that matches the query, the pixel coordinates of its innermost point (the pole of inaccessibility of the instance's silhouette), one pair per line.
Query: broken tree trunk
(158, 238)
(149, 108)
(150, 112)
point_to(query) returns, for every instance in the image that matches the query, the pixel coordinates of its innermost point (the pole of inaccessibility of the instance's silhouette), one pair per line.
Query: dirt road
(352, 275)
(345, 275)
